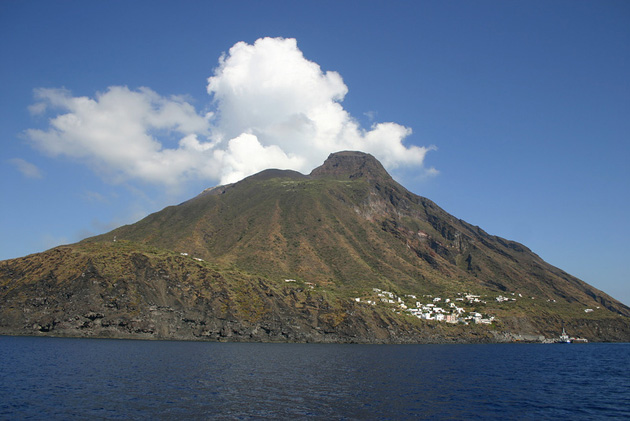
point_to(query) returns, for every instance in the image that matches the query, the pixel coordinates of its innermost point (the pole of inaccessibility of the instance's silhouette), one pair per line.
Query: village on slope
(448, 310)
(439, 309)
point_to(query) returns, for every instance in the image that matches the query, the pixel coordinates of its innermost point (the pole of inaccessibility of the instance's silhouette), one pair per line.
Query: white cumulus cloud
(122, 132)
(273, 109)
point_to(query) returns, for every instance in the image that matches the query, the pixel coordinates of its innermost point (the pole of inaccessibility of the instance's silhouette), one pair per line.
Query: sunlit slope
(349, 224)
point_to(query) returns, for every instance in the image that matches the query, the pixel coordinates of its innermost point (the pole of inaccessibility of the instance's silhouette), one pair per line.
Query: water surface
(53, 378)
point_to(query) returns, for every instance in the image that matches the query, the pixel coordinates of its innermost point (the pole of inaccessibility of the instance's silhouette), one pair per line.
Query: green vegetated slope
(340, 232)
(350, 224)
(128, 290)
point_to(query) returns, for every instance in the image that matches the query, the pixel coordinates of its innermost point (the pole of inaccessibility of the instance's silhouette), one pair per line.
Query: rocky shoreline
(171, 298)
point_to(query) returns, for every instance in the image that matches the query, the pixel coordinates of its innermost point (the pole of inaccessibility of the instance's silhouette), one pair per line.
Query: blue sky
(513, 116)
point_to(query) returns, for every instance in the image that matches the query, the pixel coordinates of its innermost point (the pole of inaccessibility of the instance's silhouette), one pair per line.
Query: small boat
(564, 338)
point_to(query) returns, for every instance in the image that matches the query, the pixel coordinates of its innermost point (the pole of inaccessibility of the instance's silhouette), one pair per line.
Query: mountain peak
(350, 165)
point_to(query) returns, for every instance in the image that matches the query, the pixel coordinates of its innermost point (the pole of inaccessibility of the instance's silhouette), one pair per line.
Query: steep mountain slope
(339, 235)
(349, 223)
(125, 290)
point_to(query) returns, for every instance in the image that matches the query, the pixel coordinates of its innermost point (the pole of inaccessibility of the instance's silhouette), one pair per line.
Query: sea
(91, 379)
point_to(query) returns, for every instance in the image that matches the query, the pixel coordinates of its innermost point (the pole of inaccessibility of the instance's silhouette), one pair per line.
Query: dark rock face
(178, 298)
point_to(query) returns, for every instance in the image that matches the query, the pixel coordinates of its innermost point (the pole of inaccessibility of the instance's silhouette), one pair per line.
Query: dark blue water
(48, 378)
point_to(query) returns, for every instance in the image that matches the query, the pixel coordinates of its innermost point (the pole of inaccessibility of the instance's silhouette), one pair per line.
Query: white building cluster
(432, 308)
(196, 258)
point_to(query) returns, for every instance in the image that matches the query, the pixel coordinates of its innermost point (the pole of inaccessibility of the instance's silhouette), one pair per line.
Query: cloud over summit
(273, 108)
